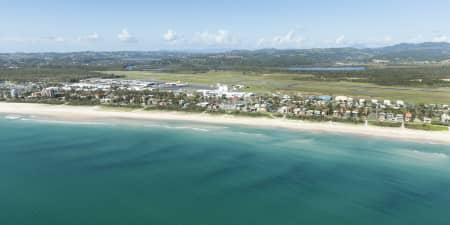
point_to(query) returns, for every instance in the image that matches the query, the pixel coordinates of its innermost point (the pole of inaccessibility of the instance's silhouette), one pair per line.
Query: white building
(49, 92)
(400, 103)
(445, 118)
(223, 91)
(15, 93)
(341, 98)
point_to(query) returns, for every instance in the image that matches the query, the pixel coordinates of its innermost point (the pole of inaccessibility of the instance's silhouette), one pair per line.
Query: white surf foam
(425, 155)
(13, 117)
(178, 127)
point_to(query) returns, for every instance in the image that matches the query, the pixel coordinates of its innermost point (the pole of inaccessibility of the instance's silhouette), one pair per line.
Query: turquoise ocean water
(175, 173)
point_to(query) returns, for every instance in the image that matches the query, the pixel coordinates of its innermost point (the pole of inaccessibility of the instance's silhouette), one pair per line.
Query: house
(399, 117)
(283, 110)
(341, 98)
(408, 116)
(347, 114)
(203, 104)
(15, 93)
(336, 113)
(297, 111)
(382, 116)
(105, 101)
(390, 116)
(49, 92)
(317, 113)
(326, 98)
(287, 97)
(261, 107)
(400, 103)
(36, 94)
(445, 118)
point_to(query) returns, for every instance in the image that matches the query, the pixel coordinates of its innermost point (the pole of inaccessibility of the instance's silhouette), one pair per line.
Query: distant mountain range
(429, 51)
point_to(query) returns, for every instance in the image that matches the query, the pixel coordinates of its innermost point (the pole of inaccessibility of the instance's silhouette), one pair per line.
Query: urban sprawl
(232, 99)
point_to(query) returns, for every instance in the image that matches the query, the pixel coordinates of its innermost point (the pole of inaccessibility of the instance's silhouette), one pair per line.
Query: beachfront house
(399, 118)
(408, 116)
(445, 118)
(283, 110)
(382, 116)
(105, 101)
(390, 117)
(15, 93)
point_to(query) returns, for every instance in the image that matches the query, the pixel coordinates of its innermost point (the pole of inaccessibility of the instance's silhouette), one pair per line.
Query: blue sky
(38, 25)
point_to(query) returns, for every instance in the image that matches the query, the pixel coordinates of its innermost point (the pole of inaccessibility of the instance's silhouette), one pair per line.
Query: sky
(209, 25)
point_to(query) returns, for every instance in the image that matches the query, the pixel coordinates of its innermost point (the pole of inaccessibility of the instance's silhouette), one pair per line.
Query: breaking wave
(425, 155)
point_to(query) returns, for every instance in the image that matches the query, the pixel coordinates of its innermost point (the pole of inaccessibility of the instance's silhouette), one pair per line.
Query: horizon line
(219, 50)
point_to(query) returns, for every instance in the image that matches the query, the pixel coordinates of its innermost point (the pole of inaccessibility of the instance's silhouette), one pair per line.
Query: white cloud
(416, 39)
(171, 36)
(289, 40)
(125, 36)
(219, 38)
(90, 37)
(340, 40)
(441, 38)
(32, 40)
(54, 39)
(388, 39)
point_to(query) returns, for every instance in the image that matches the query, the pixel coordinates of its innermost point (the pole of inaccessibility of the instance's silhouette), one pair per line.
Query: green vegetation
(385, 124)
(245, 114)
(415, 73)
(393, 75)
(294, 83)
(46, 74)
(428, 127)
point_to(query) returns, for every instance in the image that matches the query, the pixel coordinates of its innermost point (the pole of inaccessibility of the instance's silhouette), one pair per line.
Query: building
(341, 98)
(382, 116)
(49, 92)
(408, 116)
(15, 93)
(445, 118)
(400, 103)
(399, 118)
(223, 91)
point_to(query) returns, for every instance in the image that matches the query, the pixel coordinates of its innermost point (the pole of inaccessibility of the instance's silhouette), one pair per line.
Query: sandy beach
(92, 113)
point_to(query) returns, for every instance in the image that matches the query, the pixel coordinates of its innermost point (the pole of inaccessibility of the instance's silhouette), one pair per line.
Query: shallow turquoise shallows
(174, 173)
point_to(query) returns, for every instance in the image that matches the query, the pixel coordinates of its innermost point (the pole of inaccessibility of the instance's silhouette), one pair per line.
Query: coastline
(88, 113)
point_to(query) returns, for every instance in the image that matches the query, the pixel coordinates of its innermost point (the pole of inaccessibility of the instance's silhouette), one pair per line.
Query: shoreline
(88, 113)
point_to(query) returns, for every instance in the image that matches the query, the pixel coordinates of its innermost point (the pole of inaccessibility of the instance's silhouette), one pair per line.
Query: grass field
(290, 83)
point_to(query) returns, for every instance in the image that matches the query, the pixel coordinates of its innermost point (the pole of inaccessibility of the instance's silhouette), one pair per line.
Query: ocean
(177, 173)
